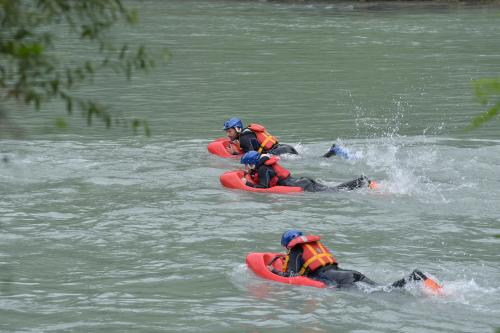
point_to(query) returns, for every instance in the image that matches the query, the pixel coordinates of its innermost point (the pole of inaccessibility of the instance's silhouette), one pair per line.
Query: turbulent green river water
(102, 231)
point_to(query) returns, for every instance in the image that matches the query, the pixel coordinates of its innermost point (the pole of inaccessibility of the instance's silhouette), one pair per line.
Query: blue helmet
(289, 235)
(252, 157)
(233, 122)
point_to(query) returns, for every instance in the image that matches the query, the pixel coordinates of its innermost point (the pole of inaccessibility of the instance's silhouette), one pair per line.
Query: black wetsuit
(310, 185)
(266, 173)
(332, 275)
(248, 142)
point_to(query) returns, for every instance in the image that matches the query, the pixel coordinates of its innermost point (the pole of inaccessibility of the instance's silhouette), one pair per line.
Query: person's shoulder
(262, 162)
(246, 131)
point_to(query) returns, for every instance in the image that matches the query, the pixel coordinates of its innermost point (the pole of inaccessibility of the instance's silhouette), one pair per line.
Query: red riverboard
(258, 263)
(232, 179)
(219, 147)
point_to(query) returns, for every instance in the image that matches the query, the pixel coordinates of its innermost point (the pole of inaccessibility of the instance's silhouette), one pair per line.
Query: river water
(102, 231)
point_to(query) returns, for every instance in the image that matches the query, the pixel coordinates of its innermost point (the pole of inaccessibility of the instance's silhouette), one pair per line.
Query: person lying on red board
(307, 256)
(254, 137)
(266, 172)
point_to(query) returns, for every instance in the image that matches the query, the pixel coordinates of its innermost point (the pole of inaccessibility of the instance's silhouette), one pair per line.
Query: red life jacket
(314, 254)
(281, 173)
(266, 140)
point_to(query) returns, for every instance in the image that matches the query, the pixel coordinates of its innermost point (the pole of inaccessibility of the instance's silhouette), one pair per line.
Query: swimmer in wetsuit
(254, 137)
(266, 172)
(307, 256)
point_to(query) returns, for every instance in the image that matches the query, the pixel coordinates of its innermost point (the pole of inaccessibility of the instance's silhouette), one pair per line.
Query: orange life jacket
(314, 254)
(266, 140)
(281, 173)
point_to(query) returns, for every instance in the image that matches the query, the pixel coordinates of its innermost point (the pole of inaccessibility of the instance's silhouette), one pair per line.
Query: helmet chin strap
(238, 129)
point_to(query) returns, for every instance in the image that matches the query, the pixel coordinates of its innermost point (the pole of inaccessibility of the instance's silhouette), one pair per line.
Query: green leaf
(55, 85)
(87, 32)
(486, 88)
(135, 124)
(61, 123)
(30, 50)
(22, 33)
(484, 117)
(487, 91)
(132, 17)
(88, 67)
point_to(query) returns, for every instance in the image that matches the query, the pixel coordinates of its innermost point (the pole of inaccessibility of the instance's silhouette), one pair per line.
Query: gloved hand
(232, 150)
(331, 152)
(338, 151)
(275, 271)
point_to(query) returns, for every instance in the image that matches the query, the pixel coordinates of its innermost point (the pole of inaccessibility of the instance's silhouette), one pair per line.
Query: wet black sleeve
(266, 173)
(295, 262)
(248, 142)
